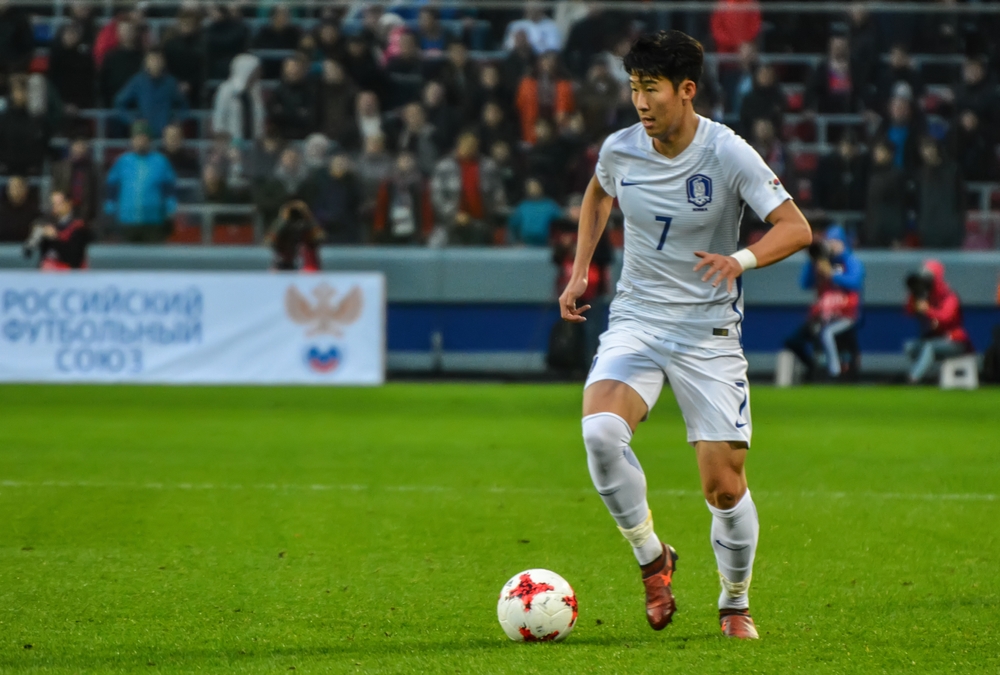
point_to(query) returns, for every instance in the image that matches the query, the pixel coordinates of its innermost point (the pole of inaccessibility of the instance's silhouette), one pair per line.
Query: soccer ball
(537, 606)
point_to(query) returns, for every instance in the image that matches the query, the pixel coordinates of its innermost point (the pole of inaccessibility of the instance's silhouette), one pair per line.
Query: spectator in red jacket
(734, 22)
(940, 313)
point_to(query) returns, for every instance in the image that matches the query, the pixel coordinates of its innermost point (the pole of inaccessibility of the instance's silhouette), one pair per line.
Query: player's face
(659, 104)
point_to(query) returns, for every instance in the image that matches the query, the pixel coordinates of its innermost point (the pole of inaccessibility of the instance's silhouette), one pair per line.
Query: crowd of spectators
(458, 125)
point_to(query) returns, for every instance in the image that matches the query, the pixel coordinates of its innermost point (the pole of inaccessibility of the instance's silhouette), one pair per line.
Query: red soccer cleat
(737, 623)
(656, 577)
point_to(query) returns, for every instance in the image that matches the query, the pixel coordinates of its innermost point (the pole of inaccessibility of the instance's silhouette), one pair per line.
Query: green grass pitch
(261, 530)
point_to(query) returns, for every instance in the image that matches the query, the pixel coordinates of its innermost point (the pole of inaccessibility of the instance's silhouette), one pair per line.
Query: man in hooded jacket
(940, 313)
(239, 104)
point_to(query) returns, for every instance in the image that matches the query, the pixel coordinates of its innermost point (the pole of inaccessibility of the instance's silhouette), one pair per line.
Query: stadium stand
(822, 80)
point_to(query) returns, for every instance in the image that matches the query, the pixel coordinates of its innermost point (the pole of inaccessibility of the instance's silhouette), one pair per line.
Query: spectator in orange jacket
(734, 22)
(546, 93)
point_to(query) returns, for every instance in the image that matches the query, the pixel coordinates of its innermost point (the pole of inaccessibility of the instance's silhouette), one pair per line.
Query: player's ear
(688, 90)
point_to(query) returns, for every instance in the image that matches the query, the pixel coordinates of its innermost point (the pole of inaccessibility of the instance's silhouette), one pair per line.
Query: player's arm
(593, 219)
(790, 232)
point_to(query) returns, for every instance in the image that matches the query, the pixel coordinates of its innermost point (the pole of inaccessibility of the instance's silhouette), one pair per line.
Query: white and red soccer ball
(537, 606)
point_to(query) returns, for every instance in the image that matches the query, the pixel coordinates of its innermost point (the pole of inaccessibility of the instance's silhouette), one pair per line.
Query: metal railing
(100, 117)
(207, 213)
(984, 193)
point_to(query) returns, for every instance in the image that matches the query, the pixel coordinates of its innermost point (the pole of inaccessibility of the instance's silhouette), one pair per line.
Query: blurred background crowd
(449, 124)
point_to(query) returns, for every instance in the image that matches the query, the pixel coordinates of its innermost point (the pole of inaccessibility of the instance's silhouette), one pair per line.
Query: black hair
(669, 54)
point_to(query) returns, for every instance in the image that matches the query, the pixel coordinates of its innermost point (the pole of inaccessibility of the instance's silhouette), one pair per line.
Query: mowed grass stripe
(495, 489)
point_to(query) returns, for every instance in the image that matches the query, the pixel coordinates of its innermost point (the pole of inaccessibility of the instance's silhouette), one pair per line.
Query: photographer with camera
(838, 277)
(940, 313)
(61, 240)
(295, 237)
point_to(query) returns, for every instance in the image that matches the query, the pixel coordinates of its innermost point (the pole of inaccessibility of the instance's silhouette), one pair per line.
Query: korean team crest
(699, 189)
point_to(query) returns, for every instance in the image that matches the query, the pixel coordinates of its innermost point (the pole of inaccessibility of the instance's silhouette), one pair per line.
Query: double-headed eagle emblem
(324, 318)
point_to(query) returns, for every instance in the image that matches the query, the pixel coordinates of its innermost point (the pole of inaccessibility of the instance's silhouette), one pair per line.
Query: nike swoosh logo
(624, 184)
(730, 549)
(740, 426)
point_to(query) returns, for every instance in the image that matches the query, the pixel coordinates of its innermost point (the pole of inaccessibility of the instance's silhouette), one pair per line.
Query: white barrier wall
(183, 327)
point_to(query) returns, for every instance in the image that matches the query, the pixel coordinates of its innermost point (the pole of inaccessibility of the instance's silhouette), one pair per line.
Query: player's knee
(605, 431)
(604, 436)
(724, 492)
(724, 500)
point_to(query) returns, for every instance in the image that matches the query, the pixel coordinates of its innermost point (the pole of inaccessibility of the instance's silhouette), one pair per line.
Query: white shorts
(710, 385)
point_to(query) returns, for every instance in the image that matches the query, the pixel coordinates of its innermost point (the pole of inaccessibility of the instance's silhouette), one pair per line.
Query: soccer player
(681, 181)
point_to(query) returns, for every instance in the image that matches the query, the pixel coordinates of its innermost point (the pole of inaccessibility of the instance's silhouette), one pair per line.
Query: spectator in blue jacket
(531, 221)
(152, 95)
(140, 191)
(838, 276)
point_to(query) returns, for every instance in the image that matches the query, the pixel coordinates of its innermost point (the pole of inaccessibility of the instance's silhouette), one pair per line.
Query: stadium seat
(803, 130)
(805, 192)
(185, 232)
(39, 64)
(794, 100)
(43, 33)
(239, 235)
(979, 235)
(806, 162)
(931, 102)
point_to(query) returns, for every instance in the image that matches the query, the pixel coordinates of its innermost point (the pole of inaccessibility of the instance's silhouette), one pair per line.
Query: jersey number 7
(666, 228)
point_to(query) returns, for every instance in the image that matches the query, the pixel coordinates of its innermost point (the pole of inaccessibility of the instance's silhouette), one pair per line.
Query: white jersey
(674, 207)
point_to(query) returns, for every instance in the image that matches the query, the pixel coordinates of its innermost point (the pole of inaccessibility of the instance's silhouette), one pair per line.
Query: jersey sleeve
(605, 169)
(751, 178)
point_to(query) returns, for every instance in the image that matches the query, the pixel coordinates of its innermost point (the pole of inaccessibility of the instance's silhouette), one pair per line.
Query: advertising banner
(186, 328)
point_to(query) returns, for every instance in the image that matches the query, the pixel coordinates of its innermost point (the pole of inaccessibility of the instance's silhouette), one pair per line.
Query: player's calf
(734, 539)
(620, 481)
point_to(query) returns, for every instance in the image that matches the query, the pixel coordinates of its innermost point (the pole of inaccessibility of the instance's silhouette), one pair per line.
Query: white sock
(620, 481)
(734, 539)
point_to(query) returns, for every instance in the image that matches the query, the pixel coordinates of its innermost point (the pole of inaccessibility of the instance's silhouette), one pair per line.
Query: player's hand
(567, 301)
(719, 268)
